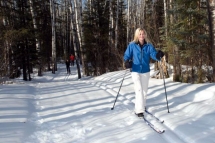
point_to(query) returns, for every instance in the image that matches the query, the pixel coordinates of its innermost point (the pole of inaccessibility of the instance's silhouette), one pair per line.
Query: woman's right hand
(128, 64)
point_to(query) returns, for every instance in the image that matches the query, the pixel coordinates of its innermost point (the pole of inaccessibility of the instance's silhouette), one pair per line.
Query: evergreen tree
(188, 39)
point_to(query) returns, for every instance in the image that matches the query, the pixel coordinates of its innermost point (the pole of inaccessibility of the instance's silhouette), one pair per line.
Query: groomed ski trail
(128, 102)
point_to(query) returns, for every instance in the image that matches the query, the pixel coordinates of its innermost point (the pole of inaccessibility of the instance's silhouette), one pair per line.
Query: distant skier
(68, 66)
(140, 51)
(72, 59)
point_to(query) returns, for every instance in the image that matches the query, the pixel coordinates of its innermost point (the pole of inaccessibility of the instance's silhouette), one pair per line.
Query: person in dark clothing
(68, 66)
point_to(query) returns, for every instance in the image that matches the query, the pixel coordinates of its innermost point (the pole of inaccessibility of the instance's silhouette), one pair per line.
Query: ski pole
(119, 90)
(164, 86)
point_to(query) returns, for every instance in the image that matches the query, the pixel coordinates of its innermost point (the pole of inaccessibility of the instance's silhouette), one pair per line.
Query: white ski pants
(141, 81)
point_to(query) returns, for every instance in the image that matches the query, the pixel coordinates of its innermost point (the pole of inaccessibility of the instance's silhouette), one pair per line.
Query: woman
(139, 51)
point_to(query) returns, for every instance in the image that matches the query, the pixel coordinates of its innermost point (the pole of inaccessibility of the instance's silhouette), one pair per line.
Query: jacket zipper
(141, 60)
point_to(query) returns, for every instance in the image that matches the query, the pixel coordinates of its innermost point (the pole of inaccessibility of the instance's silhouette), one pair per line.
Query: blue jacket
(140, 57)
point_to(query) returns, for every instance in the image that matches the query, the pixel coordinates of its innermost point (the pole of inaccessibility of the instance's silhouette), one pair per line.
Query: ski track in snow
(126, 102)
(55, 132)
(170, 134)
(81, 130)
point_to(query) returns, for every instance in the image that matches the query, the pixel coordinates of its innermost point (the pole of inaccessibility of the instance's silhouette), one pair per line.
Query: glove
(128, 64)
(159, 54)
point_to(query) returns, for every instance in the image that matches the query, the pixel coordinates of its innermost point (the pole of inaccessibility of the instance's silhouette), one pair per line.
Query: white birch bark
(78, 21)
(72, 29)
(33, 14)
(143, 13)
(164, 64)
(74, 38)
(138, 13)
(128, 21)
(80, 14)
(77, 17)
(116, 27)
(90, 4)
(31, 2)
(52, 11)
(111, 24)
(134, 15)
(165, 16)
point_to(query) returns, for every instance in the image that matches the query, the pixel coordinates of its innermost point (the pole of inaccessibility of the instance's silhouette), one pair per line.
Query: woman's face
(141, 36)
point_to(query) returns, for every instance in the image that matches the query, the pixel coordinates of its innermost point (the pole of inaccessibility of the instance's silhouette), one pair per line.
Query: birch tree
(38, 42)
(116, 27)
(74, 37)
(165, 16)
(53, 14)
(128, 21)
(111, 25)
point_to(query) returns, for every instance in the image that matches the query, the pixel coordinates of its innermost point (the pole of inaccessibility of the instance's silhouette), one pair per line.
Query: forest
(38, 34)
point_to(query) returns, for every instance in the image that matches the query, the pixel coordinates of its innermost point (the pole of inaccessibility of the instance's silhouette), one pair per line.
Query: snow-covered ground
(59, 108)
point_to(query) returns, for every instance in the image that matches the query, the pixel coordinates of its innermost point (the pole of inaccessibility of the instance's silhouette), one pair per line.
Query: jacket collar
(138, 43)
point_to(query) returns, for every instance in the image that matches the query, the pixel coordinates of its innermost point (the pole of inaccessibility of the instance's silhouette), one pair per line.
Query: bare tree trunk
(111, 25)
(116, 27)
(111, 34)
(128, 21)
(67, 41)
(5, 66)
(52, 11)
(38, 45)
(78, 29)
(83, 60)
(134, 15)
(22, 9)
(74, 39)
(211, 17)
(7, 59)
(77, 21)
(142, 14)
(164, 64)
(165, 16)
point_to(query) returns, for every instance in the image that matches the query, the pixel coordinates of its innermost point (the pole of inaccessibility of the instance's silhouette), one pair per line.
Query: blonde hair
(136, 35)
